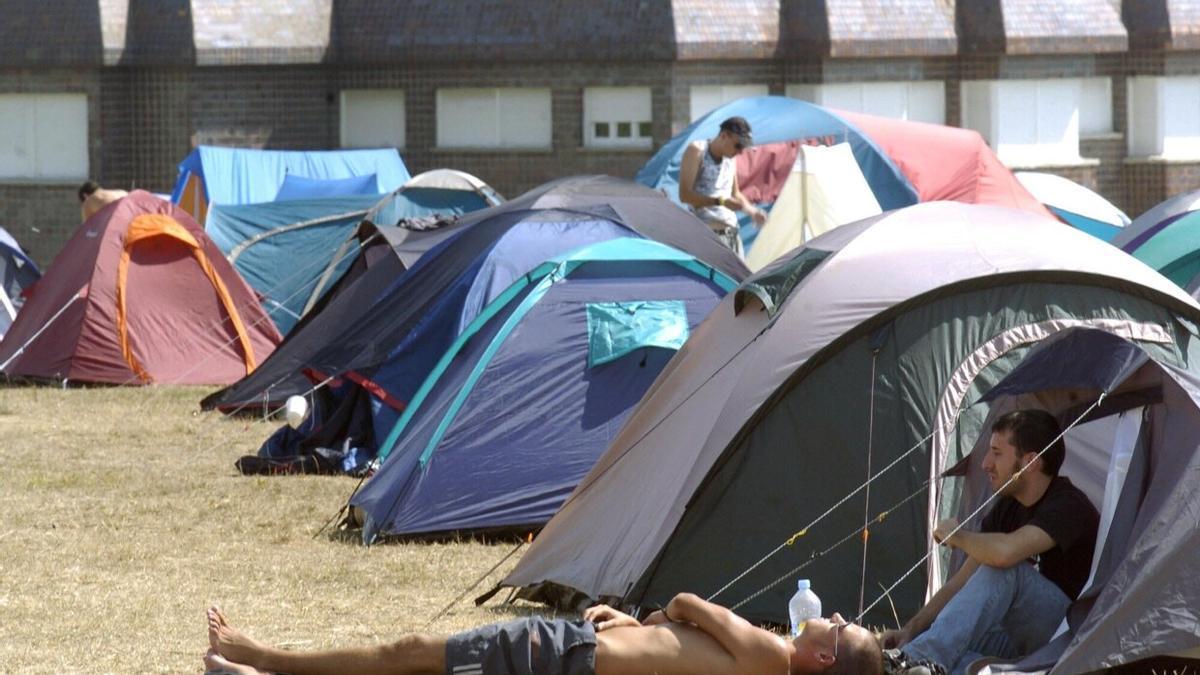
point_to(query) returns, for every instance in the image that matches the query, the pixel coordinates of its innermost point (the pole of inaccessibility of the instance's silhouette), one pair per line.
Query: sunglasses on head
(837, 631)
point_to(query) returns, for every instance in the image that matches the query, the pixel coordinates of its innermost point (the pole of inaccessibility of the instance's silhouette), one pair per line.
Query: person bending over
(92, 198)
(708, 182)
(687, 637)
(1026, 565)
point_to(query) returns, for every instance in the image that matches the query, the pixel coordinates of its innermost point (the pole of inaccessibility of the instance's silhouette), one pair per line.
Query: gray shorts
(563, 648)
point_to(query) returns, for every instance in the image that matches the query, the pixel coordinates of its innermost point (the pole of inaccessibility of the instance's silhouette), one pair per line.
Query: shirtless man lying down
(689, 637)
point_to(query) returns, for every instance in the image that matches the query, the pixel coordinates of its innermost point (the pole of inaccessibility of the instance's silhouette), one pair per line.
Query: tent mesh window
(776, 283)
(618, 328)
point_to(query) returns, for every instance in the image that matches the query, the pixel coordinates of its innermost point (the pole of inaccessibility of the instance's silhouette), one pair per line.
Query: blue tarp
(777, 119)
(245, 176)
(284, 267)
(514, 415)
(299, 187)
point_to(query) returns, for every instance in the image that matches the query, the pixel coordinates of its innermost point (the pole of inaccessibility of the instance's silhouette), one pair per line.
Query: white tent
(824, 190)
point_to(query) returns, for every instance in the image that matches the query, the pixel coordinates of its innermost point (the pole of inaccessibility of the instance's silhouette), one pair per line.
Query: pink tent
(943, 164)
(947, 163)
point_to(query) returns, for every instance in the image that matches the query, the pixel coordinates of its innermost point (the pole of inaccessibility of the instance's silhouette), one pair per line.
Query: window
(372, 118)
(617, 117)
(44, 136)
(1095, 106)
(1027, 122)
(919, 101)
(493, 118)
(1164, 117)
(706, 98)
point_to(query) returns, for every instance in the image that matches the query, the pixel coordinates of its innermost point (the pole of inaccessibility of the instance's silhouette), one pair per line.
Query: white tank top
(715, 179)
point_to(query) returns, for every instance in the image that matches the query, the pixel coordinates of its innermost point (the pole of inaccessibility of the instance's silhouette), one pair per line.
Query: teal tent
(290, 251)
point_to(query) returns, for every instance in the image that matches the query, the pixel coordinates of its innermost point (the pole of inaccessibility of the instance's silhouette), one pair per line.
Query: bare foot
(229, 642)
(215, 663)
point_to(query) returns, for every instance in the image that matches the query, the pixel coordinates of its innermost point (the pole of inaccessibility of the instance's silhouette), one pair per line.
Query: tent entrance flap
(617, 328)
(148, 226)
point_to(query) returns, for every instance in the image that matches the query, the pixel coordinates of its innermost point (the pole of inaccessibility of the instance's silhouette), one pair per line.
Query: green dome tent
(861, 354)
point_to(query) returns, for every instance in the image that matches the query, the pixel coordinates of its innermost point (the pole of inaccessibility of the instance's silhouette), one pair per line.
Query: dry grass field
(123, 518)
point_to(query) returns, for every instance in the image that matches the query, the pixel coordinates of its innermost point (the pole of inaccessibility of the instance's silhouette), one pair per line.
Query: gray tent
(861, 354)
(1137, 456)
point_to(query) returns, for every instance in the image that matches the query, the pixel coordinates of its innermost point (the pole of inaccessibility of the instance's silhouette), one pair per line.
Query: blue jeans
(999, 612)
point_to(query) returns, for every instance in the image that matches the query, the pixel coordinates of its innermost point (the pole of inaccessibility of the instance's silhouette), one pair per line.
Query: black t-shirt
(1064, 513)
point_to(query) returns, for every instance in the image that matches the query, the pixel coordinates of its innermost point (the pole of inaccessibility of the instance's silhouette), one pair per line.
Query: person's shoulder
(1066, 491)
(1062, 488)
(770, 655)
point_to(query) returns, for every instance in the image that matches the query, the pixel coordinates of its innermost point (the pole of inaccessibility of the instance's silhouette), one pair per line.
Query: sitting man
(689, 636)
(1023, 569)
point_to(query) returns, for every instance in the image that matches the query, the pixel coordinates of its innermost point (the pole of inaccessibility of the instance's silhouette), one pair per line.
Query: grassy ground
(123, 518)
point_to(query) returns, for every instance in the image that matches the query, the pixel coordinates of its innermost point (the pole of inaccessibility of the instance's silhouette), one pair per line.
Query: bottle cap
(803, 584)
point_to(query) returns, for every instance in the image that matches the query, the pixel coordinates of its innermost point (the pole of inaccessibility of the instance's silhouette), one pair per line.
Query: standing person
(688, 636)
(1023, 569)
(708, 181)
(92, 198)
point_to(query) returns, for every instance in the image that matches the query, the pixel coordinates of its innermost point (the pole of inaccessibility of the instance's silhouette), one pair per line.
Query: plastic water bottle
(803, 606)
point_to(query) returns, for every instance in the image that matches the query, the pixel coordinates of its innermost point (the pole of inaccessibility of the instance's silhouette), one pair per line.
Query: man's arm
(605, 617)
(746, 643)
(743, 204)
(995, 549)
(689, 168)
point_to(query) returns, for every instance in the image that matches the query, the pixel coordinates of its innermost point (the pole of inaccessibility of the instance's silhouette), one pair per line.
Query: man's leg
(1037, 611)
(977, 619)
(410, 655)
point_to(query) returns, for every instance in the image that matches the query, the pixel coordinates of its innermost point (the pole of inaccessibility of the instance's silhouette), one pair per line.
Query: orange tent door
(176, 321)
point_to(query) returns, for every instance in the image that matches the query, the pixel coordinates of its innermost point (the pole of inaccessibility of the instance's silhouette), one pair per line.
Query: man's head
(1017, 438)
(734, 137)
(834, 646)
(87, 189)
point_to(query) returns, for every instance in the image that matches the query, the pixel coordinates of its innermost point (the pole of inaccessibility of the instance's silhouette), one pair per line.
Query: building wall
(42, 214)
(513, 172)
(144, 119)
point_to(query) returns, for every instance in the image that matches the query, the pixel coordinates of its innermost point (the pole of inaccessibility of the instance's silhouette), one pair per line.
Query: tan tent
(825, 189)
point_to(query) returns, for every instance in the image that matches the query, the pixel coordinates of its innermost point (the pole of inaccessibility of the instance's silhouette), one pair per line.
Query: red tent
(947, 163)
(140, 294)
(943, 163)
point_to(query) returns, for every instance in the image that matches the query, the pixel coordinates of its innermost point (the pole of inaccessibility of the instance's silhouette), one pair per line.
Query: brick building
(1106, 92)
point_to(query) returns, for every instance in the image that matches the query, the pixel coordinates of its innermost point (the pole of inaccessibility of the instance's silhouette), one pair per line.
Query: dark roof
(1163, 24)
(63, 33)
(365, 32)
(1040, 27)
(868, 28)
(150, 32)
(371, 31)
